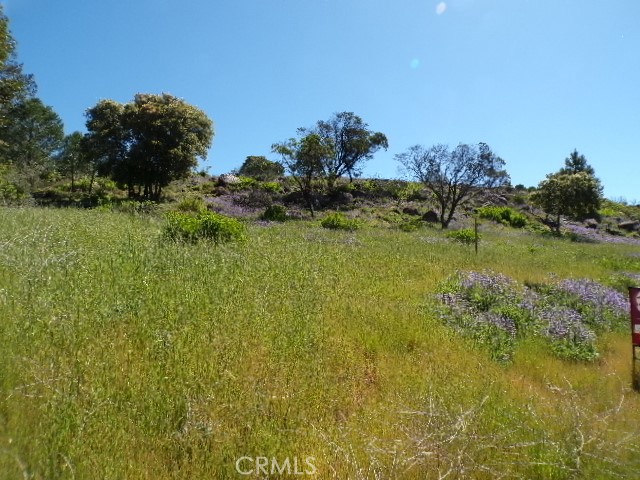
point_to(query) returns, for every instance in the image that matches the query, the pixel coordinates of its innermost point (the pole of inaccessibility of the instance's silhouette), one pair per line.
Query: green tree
(104, 146)
(32, 138)
(15, 86)
(576, 163)
(260, 168)
(71, 161)
(304, 159)
(575, 195)
(454, 176)
(149, 142)
(352, 144)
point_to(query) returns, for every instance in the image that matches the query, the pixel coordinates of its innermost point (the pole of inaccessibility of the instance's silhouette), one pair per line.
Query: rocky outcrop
(431, 217)
(629, 225)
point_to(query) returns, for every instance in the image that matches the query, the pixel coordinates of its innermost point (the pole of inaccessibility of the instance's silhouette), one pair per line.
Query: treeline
(143, 145)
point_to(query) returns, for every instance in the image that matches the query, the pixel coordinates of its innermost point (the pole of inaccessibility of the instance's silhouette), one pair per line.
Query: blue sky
(532, 78)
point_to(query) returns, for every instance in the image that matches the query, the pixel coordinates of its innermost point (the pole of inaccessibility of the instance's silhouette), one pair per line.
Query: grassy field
(123, 356)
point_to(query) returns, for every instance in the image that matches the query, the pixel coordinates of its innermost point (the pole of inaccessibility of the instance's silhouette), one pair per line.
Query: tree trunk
(93, 177)
(309, 198)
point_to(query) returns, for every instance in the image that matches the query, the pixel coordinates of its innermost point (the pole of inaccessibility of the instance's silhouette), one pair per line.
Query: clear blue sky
(532, 78)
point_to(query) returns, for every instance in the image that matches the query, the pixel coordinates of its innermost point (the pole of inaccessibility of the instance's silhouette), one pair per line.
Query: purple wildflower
(588, 234)
(566, 324)
(596, 294)
(226, 205)
(500, 321)
(530, 300)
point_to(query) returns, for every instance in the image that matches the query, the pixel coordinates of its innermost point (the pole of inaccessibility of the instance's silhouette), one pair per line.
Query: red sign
(634, 296)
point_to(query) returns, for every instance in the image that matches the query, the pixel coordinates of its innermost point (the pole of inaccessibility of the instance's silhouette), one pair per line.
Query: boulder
(411, 211)
(629, 225)
(431, 217)
(591, 223)
(342, 198)
(228, 179)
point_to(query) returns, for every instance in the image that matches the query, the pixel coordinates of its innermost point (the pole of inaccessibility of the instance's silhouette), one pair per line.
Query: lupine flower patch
(496, 311)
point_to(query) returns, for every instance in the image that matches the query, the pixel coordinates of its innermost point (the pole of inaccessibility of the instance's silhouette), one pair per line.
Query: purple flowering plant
(602, 308)
(496, 311)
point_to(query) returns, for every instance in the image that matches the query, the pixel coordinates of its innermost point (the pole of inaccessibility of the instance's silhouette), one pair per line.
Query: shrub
(9, 190)
(411, 191)
(465, 235)
(271, 187)
(497, 311)
(504, 215)
(369, 186)
(338, 221)
(191, 204)
(410, 225)
(204, 225)
(275, 213)
(132, 207)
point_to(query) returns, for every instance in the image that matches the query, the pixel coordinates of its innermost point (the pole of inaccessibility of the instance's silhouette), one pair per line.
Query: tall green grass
(127, 356)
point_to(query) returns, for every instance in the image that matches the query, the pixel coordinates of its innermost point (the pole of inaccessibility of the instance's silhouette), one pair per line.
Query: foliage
(454, 176)
(568, 314)
(275, 213)
(192, 227)
(259, 168)
(271, 187)
(31, 139)
(464, 235)
(130, 207)
(191, 204)
(304, 158)
(410, 225)
(504, 215)
(339, 221)
(15, 86)
(147, 143)
(350, 143)
(71, 161)
(576, 163)
(10, 191)
(576, 195)
(410, 191)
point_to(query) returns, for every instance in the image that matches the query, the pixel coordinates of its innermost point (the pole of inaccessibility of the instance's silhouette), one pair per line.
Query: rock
(228, 179)
(591, 223)
(431, 217)
(411, 211)
(343, 198)
(629, 225)
(220, 191)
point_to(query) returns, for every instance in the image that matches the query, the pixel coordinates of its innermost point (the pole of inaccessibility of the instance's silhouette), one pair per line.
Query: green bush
(410, 225)
(369, 185)
(189, 227)
(271, 187)
(275, 213)
(465, 235)
(504, 215)
(9, 190)
(338, 221)
(132, 207)
(191, 204)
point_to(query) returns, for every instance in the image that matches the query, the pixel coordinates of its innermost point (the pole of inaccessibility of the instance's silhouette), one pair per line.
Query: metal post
(475, 228)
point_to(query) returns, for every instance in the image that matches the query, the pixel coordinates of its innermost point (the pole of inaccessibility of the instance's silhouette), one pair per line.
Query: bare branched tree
(454, 176)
